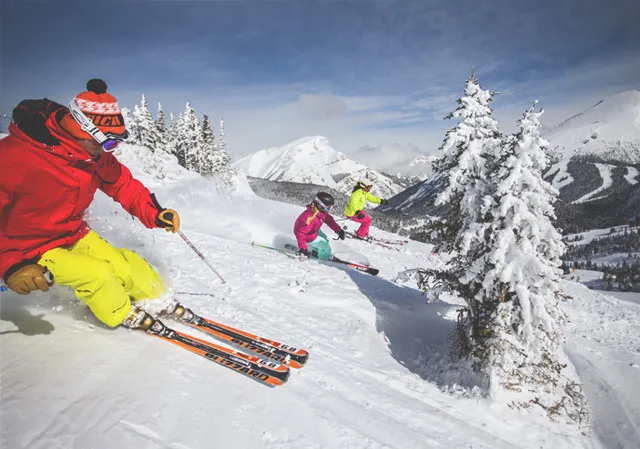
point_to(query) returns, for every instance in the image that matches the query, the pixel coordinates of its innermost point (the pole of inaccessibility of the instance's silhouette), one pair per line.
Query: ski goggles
(323, 207)
(109, 143)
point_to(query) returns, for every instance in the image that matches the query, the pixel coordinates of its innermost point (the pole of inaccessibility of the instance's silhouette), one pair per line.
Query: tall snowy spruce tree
(520, 291)
(469, 150)
(146, 126)
(186, 138)
(468, 153)
(206, 157)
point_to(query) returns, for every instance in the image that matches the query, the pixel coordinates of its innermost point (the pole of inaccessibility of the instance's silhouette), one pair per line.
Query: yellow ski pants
(104, 277)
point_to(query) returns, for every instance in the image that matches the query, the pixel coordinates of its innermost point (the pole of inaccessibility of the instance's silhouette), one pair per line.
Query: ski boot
(138, 319)
(181, 313)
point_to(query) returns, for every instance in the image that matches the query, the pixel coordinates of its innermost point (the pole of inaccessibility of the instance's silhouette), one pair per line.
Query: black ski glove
(169, 220)
(359, 214)
(383, 201)
(341, 234)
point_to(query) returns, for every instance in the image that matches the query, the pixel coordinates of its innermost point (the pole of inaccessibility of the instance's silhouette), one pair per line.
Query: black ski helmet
(324, 201)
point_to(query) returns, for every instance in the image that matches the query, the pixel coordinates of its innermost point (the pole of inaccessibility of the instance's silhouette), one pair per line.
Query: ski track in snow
(604, 346)
(373, 379)
(632, 175)
(607, 181)
(561, 175)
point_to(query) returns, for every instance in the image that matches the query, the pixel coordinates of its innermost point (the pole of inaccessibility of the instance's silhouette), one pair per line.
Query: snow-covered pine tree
(187, 138)
(520, 290)
(180, 142)
(132, 126)
(171, 137)
(469, 157)
(468, 152)
(207, 157)
(161, 128)
(225, 159)
(146, 126)
(226, 174)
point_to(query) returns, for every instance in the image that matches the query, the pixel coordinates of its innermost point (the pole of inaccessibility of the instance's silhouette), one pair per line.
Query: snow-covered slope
(609, 129)
(375, 378)
(310, 160)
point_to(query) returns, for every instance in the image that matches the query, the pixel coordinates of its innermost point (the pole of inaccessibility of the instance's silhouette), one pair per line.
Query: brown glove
(168, 219)
(29, 278)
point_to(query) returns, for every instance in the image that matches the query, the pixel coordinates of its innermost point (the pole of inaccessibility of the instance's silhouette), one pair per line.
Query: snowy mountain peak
(609, 129)
(312, 160)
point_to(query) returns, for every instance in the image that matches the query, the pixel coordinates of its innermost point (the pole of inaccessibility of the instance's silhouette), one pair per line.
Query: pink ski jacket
(309, 223)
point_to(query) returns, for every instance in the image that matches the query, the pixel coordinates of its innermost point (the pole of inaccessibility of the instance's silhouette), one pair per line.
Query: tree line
(187, 137)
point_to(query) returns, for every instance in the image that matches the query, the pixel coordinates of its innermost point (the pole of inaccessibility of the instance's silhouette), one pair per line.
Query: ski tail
(279, 352)
(267, 372)
(364, 268)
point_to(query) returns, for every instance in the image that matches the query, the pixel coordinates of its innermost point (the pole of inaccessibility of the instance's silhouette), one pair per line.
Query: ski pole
(191, 245)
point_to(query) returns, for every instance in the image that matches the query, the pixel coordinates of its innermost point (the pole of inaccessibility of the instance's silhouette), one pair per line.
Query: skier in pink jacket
(308, 224)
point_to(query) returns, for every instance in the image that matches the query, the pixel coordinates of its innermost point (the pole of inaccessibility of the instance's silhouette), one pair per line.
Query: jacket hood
(36, 122)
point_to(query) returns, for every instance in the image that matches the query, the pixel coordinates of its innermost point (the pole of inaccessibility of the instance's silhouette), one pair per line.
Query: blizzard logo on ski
(246, 370)
(266, 351)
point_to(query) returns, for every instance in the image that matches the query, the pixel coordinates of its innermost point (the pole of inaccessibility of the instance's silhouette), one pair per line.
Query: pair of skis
(372, 239)
(269, 363)
(292, 251)
(383, 243)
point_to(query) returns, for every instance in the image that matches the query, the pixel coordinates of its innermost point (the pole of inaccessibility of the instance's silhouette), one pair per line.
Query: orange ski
(266, 371)
(274, 350)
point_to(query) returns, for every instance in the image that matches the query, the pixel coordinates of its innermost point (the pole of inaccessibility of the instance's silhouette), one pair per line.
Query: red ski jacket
(47, 181)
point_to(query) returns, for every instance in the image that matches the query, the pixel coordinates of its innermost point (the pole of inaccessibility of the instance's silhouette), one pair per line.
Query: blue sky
(359, 72)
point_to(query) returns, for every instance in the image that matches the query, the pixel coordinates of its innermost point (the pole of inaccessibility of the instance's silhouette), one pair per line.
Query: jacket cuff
(159, 208)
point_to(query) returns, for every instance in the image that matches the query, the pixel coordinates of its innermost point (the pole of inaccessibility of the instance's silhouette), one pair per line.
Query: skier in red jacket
(53, 161)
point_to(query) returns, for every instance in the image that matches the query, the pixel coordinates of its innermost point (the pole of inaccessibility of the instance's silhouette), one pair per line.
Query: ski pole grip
(48, 276)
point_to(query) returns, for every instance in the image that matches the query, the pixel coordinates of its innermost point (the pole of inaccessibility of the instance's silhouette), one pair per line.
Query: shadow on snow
(418, 334)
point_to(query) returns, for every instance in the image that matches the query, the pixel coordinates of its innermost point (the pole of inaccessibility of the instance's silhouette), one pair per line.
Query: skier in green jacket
(355, 208)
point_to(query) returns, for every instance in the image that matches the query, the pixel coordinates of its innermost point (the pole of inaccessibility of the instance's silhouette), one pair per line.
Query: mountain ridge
(313, 160)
